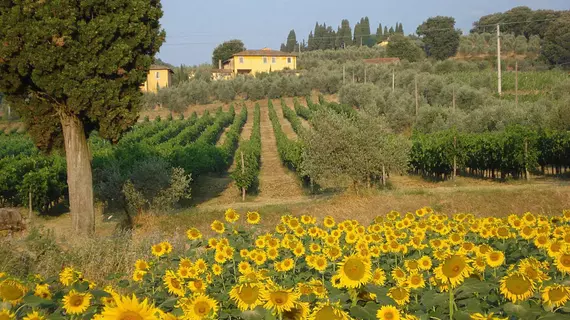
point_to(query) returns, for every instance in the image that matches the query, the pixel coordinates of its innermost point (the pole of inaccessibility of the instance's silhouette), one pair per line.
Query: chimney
(219, 64)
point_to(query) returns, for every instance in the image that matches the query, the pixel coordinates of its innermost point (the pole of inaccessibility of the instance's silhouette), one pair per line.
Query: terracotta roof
(382, 60)
(266, 52)
(159, 67)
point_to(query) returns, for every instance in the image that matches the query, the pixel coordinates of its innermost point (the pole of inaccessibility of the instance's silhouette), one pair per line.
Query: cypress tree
(345, 33)
(379, 34)
(391, 31)
(386, 32)
(357, 34)
(310, 42)
(291, 41)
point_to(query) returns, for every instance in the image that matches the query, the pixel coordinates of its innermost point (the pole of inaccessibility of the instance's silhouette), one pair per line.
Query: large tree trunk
(79, 177)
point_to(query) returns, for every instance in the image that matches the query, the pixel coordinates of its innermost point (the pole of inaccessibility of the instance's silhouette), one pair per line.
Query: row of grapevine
(291, 115)
(172, 130)
(290, 151)
(246, 176)
(16, 144)
(508, 153)
(301, 110)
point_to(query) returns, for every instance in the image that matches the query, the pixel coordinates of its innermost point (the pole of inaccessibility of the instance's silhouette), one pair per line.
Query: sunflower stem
(451, 302)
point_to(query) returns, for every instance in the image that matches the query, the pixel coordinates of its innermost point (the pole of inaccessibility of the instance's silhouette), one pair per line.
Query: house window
(240, 59)
(264, 59)
(288, 59)
(273, 60)
(157, 75)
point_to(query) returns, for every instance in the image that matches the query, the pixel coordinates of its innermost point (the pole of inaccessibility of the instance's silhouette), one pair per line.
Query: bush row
(291, 115)
(290, 151)
(246, 176)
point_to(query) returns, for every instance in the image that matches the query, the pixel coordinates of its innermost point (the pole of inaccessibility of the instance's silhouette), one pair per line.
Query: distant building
(158, 77)
(221, 74)
(256, 61)
(382, 61)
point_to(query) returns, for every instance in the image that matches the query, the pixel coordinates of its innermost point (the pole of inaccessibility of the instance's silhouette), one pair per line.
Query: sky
(195, 28)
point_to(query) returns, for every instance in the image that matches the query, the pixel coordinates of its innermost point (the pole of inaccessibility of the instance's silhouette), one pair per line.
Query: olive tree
(72, 67)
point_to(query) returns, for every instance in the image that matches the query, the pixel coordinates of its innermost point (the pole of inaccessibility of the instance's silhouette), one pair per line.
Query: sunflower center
(416, 280)
(389, 315)
(518, 285)
(202, 308)
(556, 295)
(249, 294)
(495, 256)
(354, 269)
(565, 260)
(453, 266)
(130, 315)
(531, 272)
(398, 294)
(76, 300)
(10, 291)
(279, 297)
(326, 313)
(175, 283)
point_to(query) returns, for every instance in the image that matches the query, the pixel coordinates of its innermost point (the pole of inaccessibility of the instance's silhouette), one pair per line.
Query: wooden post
(499, 79)
(454, 157)
(352, 76)
(383, 175)
(526, 173)
(516, 83)
(343, 73)
(243, 172)
(365, 74)
(30, 213)
(393, 80)
(417, 101)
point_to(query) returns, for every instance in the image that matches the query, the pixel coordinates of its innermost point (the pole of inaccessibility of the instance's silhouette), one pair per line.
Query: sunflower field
(421, 265)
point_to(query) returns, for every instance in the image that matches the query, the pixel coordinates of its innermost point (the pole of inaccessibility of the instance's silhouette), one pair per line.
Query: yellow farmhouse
(158, 77)
(257, 61)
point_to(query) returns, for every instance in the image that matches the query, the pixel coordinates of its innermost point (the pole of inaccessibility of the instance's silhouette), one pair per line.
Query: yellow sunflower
(6, 315)
(328, 311)
(425, 263)
(495, 258)
(138, 275)
(563, 262)
(378, 277)
(34, 315)
(174, 284)
(354, 271)
(76, 302)
(490, 316)
(218, 226)
(416, 280)
(299, 312)
(158, 250)
(555, 295)
(400, 294)
(216, 269)
(278, 299)
(129, 308)
(42, 291)
(68, 276)
(516, 287)
(193, 234)
(453, 270)
(141, 265)
(398, 274)
(12, 290)
(199, 307)
(253, 217)
(388, 313)
(231, 215)
(246, 296)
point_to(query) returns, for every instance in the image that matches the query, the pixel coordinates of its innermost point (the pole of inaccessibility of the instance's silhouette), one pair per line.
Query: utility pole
(499, 58)
(454, 157)
(365, 74)
(393, 80)
(516, 83)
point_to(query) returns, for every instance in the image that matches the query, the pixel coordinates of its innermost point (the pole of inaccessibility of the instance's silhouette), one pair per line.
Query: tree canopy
(441, 39)
(403, 48)
(70, 68)
(556, 44)
(226, 50)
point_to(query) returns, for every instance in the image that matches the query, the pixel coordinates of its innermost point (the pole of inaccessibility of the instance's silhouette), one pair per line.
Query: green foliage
(289, 150)
(300, 110)
(247, 176)
(291, 116)
(403, 48)
(556, 44)
(226, 50)
(440, 37)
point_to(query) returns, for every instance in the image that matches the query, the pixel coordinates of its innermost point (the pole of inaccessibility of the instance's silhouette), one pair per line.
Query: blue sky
(194, 28)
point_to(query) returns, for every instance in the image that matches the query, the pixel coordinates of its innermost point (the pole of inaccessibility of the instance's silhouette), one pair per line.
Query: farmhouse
(257, 61)
(158, 77)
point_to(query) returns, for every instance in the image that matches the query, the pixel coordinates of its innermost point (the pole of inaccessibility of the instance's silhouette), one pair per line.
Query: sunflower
(218, 226)
(174, 284)
(217, 269)
(198, 307)
(527, 232)
(231, 215)
(556, 295)
(246, 296)
(532, 269)
(320, 263)
(193, 234)
(400, 294)
(328, 311)
(75, 302)
(329, 222)
(158, 250)
(197, 285)
(378, 277)
(138, 275)
(516, 287)
(68, 276)
(299, 312)
(541, 241)
(42, 291)
(388, 313)
(130, 308)
(563, 262)
(141, 265)
(278, 299)
(6, 315)
(287, 264)
(12, 290)
(253, 217)
(416, 280)
(354, 271)
(490, 316)
(425, 263)
(453, 270)
(398, 274)
(34, 315)
(495, 258)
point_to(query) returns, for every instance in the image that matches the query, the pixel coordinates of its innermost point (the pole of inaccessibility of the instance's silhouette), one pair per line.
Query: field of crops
(415, 265)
